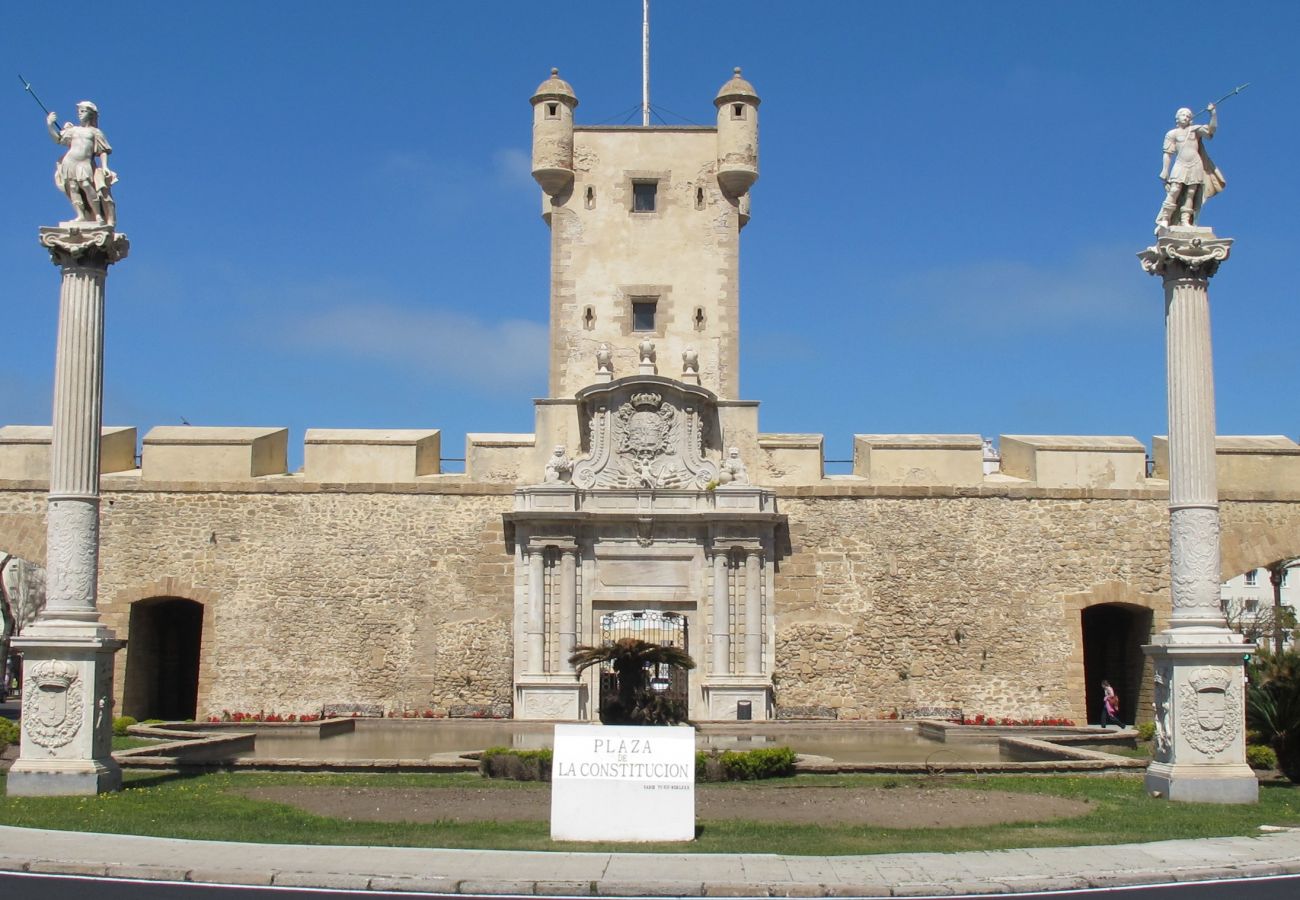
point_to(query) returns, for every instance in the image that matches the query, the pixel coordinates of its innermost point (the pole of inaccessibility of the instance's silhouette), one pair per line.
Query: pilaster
(1198, 660)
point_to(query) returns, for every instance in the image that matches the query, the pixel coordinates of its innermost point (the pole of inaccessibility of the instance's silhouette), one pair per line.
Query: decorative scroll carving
(653, 439)
(1194, 558)
(72, 555)
(1210, 710)
(52, 703)
(551, 705)
(1186, 254)
(90, 247)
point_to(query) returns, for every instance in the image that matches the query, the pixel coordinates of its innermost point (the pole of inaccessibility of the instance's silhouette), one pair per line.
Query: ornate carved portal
(646, 526)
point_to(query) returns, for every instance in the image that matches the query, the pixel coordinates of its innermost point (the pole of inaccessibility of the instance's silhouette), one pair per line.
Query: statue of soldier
(1194, 178)
(83, 173)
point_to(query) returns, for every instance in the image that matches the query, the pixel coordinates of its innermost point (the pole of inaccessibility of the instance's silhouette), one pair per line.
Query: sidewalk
(646, 875)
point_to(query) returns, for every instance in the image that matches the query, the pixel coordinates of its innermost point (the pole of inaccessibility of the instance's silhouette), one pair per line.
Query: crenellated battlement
(380, 458)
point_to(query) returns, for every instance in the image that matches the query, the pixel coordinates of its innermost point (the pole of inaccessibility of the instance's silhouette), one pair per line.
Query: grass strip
(210, 807)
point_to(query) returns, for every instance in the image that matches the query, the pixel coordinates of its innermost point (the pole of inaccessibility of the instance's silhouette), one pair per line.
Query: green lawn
(206, 807)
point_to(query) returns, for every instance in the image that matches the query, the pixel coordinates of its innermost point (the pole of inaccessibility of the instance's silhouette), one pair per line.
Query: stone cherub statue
(604, 360)
(559, 467)
(732, 470)
(83, 173)
(1193, 178)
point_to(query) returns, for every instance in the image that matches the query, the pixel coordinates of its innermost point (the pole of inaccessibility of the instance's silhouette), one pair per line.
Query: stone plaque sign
(646, 774)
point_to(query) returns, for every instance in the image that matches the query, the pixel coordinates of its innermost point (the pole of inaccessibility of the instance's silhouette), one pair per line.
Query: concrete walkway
(647, 875)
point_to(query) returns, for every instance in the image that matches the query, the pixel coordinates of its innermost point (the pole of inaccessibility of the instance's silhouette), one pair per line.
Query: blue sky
(333, 225)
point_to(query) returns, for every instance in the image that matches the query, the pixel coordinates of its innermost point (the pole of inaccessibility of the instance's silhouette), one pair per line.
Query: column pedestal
(1198, 661)
(67, 721)
(1200, 721)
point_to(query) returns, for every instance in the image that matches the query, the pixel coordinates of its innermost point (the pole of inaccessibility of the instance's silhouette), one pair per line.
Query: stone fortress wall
(372, 577)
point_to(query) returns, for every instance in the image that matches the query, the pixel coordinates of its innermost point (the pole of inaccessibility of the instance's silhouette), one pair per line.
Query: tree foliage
(1273, 706)
(635, 702)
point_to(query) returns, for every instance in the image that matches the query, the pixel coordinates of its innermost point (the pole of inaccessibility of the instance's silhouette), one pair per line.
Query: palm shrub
(634, 702)
(1273, 707)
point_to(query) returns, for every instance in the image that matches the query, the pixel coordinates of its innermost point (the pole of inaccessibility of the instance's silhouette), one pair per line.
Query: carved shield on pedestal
(1211, 717)
(52, 704)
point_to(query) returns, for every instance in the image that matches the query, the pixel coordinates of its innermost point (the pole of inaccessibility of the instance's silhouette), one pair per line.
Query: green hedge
(121, 724)
(9, 733)
(518, 765)
(1260, 757)
(728, 765)
(744, 765)
(1146, 731)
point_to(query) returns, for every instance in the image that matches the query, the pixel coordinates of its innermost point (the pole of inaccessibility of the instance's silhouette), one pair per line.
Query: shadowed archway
(1113, 635)
(162, 659)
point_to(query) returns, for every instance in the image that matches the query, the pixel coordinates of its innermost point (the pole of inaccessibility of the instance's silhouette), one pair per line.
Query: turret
(737, 105)
(553, 105)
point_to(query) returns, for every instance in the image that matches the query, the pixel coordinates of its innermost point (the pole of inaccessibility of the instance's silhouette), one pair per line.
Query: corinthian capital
(98, 247)
(1185, 253)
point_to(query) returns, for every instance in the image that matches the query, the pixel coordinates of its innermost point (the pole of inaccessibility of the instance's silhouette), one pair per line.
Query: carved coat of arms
(646, 438)
(53, 703)
(1211, 712)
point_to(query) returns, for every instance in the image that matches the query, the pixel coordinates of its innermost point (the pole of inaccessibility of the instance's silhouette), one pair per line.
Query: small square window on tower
(643, 195)
(643, 313)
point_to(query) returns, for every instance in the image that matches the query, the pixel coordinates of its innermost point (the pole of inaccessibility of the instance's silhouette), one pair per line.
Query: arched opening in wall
(1113, 635)
(162, 659)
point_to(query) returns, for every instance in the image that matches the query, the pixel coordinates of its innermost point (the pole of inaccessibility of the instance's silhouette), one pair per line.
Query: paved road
(473, 873)
(54, 887)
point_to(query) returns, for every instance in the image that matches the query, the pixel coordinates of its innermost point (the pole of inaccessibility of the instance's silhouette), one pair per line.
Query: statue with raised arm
(83, 173)
(1193, 179)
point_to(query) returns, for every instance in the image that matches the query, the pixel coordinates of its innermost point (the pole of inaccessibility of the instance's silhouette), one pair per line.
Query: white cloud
(1098, 286)
(498, 355)
(514, 168)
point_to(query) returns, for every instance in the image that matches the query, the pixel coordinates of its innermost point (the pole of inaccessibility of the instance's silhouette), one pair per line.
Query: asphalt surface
(498, 872)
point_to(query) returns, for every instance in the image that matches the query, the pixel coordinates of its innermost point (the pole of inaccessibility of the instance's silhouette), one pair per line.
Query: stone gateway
(646, 501)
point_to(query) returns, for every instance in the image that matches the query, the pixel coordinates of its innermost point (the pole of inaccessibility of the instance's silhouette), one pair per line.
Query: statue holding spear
(1193, 178)
(83, 173)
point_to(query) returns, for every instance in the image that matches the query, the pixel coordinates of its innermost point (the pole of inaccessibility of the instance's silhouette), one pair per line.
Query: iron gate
(668, 629)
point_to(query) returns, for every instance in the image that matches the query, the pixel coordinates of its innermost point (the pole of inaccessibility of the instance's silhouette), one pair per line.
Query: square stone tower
(645, 236)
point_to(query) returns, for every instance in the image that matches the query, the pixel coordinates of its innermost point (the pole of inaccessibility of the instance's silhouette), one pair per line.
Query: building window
(737, 110)
(643, 313)
(1286, 577)
(552, 110)
(1252, 578)
(643, 195)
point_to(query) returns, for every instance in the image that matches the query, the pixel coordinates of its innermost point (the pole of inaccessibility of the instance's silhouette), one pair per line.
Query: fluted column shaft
(1186, 261)
(536, 624)
(721, 661)
(753, 612)
(72, 528)
(568, 605)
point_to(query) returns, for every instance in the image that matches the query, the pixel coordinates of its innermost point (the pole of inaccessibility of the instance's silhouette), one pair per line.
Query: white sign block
(644, 774)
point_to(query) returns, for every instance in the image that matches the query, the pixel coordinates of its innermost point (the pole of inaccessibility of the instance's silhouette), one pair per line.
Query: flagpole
(645, 62)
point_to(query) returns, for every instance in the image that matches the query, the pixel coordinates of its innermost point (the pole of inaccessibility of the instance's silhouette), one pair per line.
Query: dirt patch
(900, 807)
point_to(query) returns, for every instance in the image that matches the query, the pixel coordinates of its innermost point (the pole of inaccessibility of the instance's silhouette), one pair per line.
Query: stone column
(753, 611)
(536, 622)
(1200, 709)
(720, 664)
(67, 655)
(568, 605)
